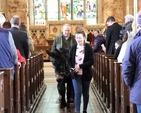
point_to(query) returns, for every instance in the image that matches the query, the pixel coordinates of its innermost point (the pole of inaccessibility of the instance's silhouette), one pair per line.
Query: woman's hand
(77, 68)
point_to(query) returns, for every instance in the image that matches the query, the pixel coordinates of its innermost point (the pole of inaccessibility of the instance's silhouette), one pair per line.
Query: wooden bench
(109, 85)
(2, 96)
(112, 85)
(17, 90)
(8, 90)
(125, 91)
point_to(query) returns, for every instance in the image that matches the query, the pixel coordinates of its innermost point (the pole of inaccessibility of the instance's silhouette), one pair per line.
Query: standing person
(131, 67)
(8, 54)
(127, 38)
(98, 41)
(20, 38)
(128, 20)
(30, 40)
(64, 40)
(81, 60)
(112, 34)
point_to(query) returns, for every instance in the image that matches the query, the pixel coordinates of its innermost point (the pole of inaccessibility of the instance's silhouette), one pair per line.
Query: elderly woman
(128, 20)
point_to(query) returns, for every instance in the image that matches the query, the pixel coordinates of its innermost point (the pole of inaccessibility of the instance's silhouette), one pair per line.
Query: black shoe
(84, 111)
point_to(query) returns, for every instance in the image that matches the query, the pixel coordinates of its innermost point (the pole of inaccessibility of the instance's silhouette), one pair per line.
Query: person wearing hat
(131, 67)
(8, 54)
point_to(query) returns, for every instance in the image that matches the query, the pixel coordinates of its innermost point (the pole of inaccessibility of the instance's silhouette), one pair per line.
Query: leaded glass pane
(65, 9)
(52, 9)
(91, 11)
(39, 12)
(78, 9)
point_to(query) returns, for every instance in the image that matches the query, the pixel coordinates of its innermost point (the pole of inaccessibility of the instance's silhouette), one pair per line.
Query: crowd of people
(121, 41)
(14, 46)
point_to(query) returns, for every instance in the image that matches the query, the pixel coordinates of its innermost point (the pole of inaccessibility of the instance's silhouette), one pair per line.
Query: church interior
(37, 92)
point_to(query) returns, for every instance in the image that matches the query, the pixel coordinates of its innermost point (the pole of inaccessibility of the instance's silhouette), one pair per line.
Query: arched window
(65, 10)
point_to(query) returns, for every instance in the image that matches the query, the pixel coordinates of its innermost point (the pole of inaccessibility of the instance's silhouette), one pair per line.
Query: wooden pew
(28, 85)
(106, 78)
(32, 79)
(2, 96)
(21, 92)
(8, 90)
(17, 90)
(23, 88)
(109, 84)
(117, 78)
(112, 85)
(125, 104)
(133, 108)
(101, 72)
(41, 70)
(96, 70)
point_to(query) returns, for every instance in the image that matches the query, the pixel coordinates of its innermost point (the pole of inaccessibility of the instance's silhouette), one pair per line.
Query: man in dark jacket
(112, 34)
(64, 40)
(20, 38)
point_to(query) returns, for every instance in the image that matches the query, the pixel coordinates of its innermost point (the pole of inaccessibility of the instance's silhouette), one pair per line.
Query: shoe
(84, 111)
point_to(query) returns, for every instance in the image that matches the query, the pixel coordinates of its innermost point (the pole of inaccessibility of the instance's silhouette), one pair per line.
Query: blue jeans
(138, 108)
(81, 87)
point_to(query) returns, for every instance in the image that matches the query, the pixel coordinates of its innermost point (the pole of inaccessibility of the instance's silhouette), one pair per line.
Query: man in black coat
(112, 34)
(20, 37)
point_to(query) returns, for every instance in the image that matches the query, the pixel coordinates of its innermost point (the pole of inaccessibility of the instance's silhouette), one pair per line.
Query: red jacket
(20, 57)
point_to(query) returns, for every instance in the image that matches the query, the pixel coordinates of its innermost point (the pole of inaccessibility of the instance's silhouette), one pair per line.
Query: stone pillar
(135, 14)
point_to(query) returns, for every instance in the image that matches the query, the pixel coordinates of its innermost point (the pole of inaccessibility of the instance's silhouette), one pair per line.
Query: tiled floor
(49, 102)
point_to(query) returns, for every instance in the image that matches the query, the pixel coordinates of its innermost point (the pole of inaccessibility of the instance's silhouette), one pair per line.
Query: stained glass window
(65, 10)
(52, 9)
(91, 11)
(78, 9)
(39, 12)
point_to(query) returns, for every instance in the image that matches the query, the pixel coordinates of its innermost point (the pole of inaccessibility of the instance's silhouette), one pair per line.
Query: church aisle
(50, 104)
